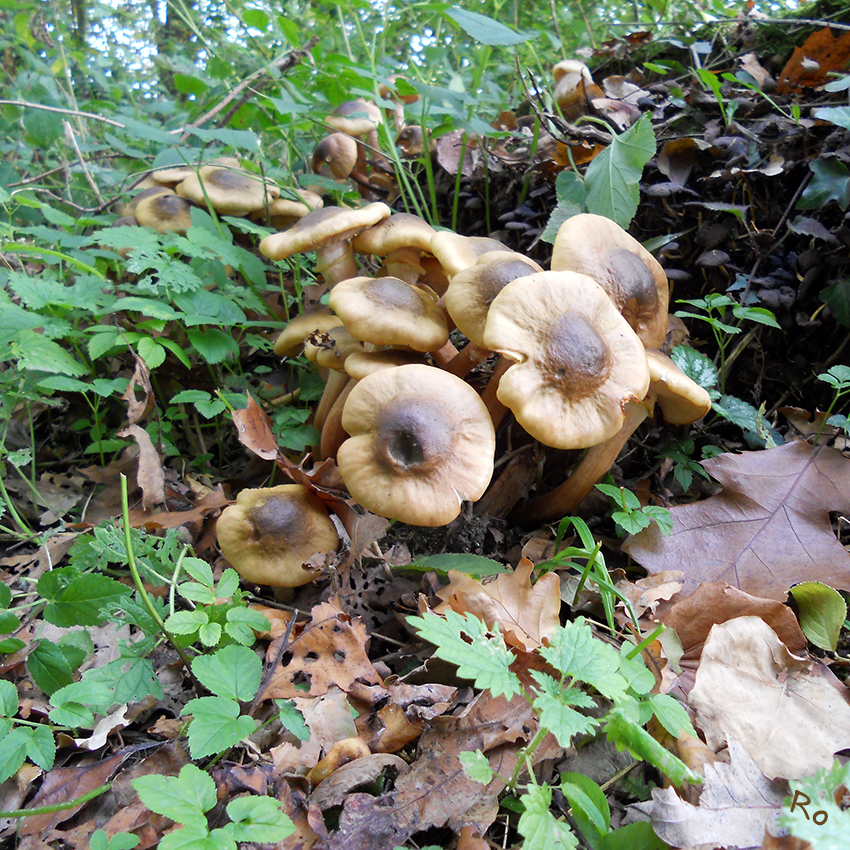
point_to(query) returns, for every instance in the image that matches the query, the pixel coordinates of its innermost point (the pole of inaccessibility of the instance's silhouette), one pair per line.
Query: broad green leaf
(292, 719)
(186, 622)
(837, 296)
(662, 518)
(538, 825)
(148, 132)
(13, 751)
(484, 29)
(228, 584)
(210, 634)
(146, 306)
(128, 680)
(213, 345)
(822, 612)
(746, 417)
(612, 177)
(80, 602)
(49, 668)
(632, 836)
(183, 798)
(485, 660)
(190, 397)
(41, 748)
(671, 714)
(255, 18)
(200, 570)
(472, 565)
(571, 191)
(151, 352)
(239, 139)
(8, 699)
(197, 837)
(217, 725)
(695, 365)
(831, 182)
(233, 672)
(72, 714)
(838, 115)
(241, 623)
(8, 622)
(5, 596)
(39, 354)
(588, 802)
(259, 819)
(476, 767)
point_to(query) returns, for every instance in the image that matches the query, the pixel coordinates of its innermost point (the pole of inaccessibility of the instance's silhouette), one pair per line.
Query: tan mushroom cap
(634, 280)
(335, 156)
(400, 230)
(359, 364)
(355, 117)
(231, 191)
(471, 292)
(147, 192)
(457, 253)
(164, 212)
(682, 400)
(421, 443)
(270, 533)
(388, 311)
(293, 335)
(335, 346)
(578, 361)
(178, 173)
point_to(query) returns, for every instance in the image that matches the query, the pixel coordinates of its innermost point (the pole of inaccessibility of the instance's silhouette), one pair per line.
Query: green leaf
(632, 836)
(241, 623)
(259, 819)
(8, 699)
(217, 725)
(186, 622)
(8, 622)
(746, 417)
(612, 177)
(571, 191)
(48, 667)
(239, 139)
(471, 565)
(695, 365)
(13, 751)
(837, 296)
(822, 612)
(561, 720)
(671, 714)
(151, 352)
(41, 748)
(476, 767)
(197, 837)
(5, 596)
(233, 672)
(484, 29)
(228, 584)
(183, 798)
(212, 344)
(210, 634)
(292, 719)
(538, 825)
(80, 602)
(838, 115)
(39, 354)
(662, 517)
(831, 182)
(485, 660)
(816, 795)
(589, 805)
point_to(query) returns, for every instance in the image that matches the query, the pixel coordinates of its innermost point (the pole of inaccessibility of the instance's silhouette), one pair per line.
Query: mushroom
(421, 443)
(230, 191)
(388, 92)
(574, 88)
(388, 311)
(164, 212)
(335, 156)
(328, 232)
(293, 335)
(270, 533)
(457, 253)
(634, 280)
(148, 192)
(174, 174)
(359, 118)
(578, 361)
(284, 212)
(401, 239)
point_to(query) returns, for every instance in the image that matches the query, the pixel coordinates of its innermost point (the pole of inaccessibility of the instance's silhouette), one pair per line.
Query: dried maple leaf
(768, 530)
(786, 711)
(524, 613)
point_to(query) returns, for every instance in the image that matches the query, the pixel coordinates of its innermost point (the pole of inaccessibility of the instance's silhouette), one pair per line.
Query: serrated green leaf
(197, 837)
(538, 825)
(485, 660)
(634, 836)
(41, 748)
(8, 699)
(151, 352)
(662, 518)
(72, 714)
(476, 767)
(186, 622)
(239, 139)
(228, 584)
(822, 612)
(212, 344)
(671, 714)
(217, 725)
(233, 672)
(613, 176)
(39, 354)
(13, 751)
(210, 634)
(183, 798)
(471, 565)
(831, 830)
(485, 29)
(80, 603)
(259, 819)
(49, 668)
(695, 365)
(195, 592)
(561, 720)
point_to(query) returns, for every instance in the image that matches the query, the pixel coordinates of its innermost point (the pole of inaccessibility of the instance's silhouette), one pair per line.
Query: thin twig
(27, 105)
(72, 141)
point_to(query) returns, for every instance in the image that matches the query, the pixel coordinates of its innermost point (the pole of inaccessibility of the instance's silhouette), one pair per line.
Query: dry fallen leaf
(254, 430)
(524, 613)
(737, 803)
(810, 64)
(150, 476)
(785, 710)
(767, 530)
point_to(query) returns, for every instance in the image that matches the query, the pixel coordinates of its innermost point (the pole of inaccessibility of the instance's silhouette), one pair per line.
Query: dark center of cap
(578, 360)
(415, 435)
(276, 522)
(392, 292)
(634, 281)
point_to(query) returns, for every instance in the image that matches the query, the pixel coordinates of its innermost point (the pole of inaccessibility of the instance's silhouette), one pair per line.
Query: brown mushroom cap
(359, 364)
(335, 346)
(270, 533)
(400, 230)
(356, 117)
(457, 253)
(178, 173)
(335, 156)
(578, 361)
(293, 335)
(231, 191)
(681, 400)
(632, 277)
(471, 292)
(147, 192)
(421, 442)
(164, 212)
(388, 311)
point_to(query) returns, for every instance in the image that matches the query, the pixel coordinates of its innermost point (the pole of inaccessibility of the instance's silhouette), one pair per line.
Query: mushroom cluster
(575, 349)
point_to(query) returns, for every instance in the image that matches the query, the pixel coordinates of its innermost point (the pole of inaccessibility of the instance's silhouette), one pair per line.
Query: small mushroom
(335, 156)
(421, 443)
(328, 232)
(270, 533)
(634, 280)
(574, 88)
(293, 335)
(164, 212)
(401, 239)
(578, 361)
(284, 212)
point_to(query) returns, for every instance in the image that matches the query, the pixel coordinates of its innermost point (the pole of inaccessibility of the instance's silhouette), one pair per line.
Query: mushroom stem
(335, 262)
(597, 461)
(333, 434)
(335, 385)
(443, 356)
(495, 408)
(467, 359)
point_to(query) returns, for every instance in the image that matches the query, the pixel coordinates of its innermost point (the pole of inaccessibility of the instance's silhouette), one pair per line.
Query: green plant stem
(143, 594)
(57, 807)
(13, 512)
(541, 733)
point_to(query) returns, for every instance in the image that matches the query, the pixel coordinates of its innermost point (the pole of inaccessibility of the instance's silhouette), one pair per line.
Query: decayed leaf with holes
(767, 530)
(523, 612)
(329, 650)
(789, 713)
(737, 802)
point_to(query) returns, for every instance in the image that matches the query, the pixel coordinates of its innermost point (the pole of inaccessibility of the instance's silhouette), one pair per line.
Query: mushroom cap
(359, 364)
(571, 67)
(147, 192)
(291, 207)
(335, 347)
(388, 311)
(231, 191)
(355, 117)
(178, 173)
(400, 230)
(471, 292)
(578, 361)
(421, 442)
(634, 280)
(682, 400)
(269, 533)
(457, 253)
(164, 212)
(410, 141)
(335, 156)
(319, 227)
(293, 335)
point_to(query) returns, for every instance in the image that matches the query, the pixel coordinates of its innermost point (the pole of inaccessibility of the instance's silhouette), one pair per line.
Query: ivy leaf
(216, 726)
(831, 182)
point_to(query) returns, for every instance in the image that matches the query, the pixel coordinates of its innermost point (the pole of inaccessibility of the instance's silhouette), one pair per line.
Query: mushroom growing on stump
(578, 361)
(681, 400)
(328, 232)
(421, 443)
(270, 533)
(634, 280)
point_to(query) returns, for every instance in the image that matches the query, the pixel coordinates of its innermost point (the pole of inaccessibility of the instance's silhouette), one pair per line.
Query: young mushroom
(270, 533)
(421, 443)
